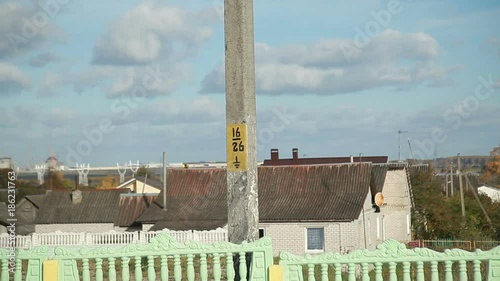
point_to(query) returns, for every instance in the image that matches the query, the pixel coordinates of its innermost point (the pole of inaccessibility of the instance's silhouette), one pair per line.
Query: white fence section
(107, 238)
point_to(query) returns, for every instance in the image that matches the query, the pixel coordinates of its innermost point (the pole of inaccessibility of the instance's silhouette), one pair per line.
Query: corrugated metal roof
(286, 193)
(132, 206)
(4, 214)
(378, 177)
(37, 200)
(99, 206)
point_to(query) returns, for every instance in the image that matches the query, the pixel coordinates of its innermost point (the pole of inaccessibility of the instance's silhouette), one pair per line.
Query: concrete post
(459, 170)
(243, 213)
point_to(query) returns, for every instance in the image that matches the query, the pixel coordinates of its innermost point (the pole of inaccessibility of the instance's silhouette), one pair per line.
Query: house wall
(77, 227)
(291, 237)
(394, 219)
(139, 187)
(3, 229)
(396, 188)
(147, 226)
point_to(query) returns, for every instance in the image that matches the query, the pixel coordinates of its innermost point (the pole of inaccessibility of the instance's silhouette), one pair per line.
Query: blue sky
(333, 78)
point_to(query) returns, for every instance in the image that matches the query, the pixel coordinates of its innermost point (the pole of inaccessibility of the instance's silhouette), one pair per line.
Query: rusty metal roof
(131, 207)
(99, 206)
(286, 193)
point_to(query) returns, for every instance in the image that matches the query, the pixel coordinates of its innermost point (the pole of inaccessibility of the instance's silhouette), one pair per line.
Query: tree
(492, 168)
(439, 217)
(142, 171)
(108, 182)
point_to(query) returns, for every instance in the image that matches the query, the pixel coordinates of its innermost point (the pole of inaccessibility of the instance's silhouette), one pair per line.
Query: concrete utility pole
(452, 176)
(242, 192)
(164, 176)
(399, 143)
(460, 182)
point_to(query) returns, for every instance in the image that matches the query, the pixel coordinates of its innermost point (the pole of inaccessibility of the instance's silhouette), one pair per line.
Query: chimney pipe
(352, 159)
(76, 197)
(295, 153)
(274, 154)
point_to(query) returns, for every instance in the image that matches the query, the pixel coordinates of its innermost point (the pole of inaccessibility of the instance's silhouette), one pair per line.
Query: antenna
(134, 167)
(399, 143)
(122, 174)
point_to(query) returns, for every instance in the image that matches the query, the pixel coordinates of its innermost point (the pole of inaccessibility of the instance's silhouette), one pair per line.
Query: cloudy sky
(102, 82)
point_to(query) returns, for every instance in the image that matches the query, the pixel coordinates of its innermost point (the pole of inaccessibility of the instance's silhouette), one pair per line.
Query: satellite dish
(379, 199)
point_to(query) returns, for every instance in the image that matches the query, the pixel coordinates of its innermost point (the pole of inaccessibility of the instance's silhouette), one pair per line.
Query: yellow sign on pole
(237, 152)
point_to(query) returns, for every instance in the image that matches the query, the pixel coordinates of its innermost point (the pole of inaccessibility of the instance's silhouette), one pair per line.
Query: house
(130, 208)
(303, 208)
(392, 220)
(296, 160)
(26, 211)
(142, 185)
(79, 211)
(492, 192)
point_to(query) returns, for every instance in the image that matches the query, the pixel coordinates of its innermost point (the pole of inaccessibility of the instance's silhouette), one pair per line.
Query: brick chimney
(295, 153)
(275, 154)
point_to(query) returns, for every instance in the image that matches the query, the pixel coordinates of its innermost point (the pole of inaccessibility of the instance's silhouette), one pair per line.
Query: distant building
(295, 160)
(6, 163)
(52, 163)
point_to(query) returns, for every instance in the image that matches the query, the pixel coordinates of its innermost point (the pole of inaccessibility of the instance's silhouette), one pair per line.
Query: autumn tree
(108, 182)
(492, 169)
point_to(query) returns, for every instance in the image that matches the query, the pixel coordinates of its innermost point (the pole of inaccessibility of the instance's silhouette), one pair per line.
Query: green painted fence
(161, 259)
(166, 259)
(393, 261)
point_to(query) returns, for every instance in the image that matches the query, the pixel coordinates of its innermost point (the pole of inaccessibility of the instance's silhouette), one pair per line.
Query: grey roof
(37, 200)
(197, 198)
(99, 206)
(3, 214)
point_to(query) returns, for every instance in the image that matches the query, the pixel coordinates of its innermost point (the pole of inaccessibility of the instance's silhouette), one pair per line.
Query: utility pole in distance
(242, 195)
(459, 172)
(399, 143)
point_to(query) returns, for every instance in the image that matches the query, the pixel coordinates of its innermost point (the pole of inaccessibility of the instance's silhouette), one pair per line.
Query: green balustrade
(393, 261)
(166, 259)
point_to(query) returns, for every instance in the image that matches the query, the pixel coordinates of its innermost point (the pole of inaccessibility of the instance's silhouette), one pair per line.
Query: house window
(315, 239)
(261, 232)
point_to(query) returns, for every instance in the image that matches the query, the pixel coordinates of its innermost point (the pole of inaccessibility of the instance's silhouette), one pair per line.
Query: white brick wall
(291, 237)
(80, 227)
(396, 189)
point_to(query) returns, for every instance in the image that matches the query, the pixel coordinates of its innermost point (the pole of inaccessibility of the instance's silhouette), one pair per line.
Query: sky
(102, 82)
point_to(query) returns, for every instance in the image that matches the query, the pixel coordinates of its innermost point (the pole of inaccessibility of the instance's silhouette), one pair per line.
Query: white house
(493, 193)
(303, 208)
(142, 185)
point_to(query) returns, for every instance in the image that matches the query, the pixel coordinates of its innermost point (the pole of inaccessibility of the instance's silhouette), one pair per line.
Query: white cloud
(50, 85)
(149, 32)
(13, 80)
(390, 59)
(25, 26)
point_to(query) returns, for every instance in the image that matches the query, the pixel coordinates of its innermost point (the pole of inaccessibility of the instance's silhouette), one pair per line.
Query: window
(315, 239)
(261, 232)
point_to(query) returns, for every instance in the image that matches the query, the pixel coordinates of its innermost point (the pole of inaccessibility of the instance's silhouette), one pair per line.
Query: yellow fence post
(50, 270)
(275, 273)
